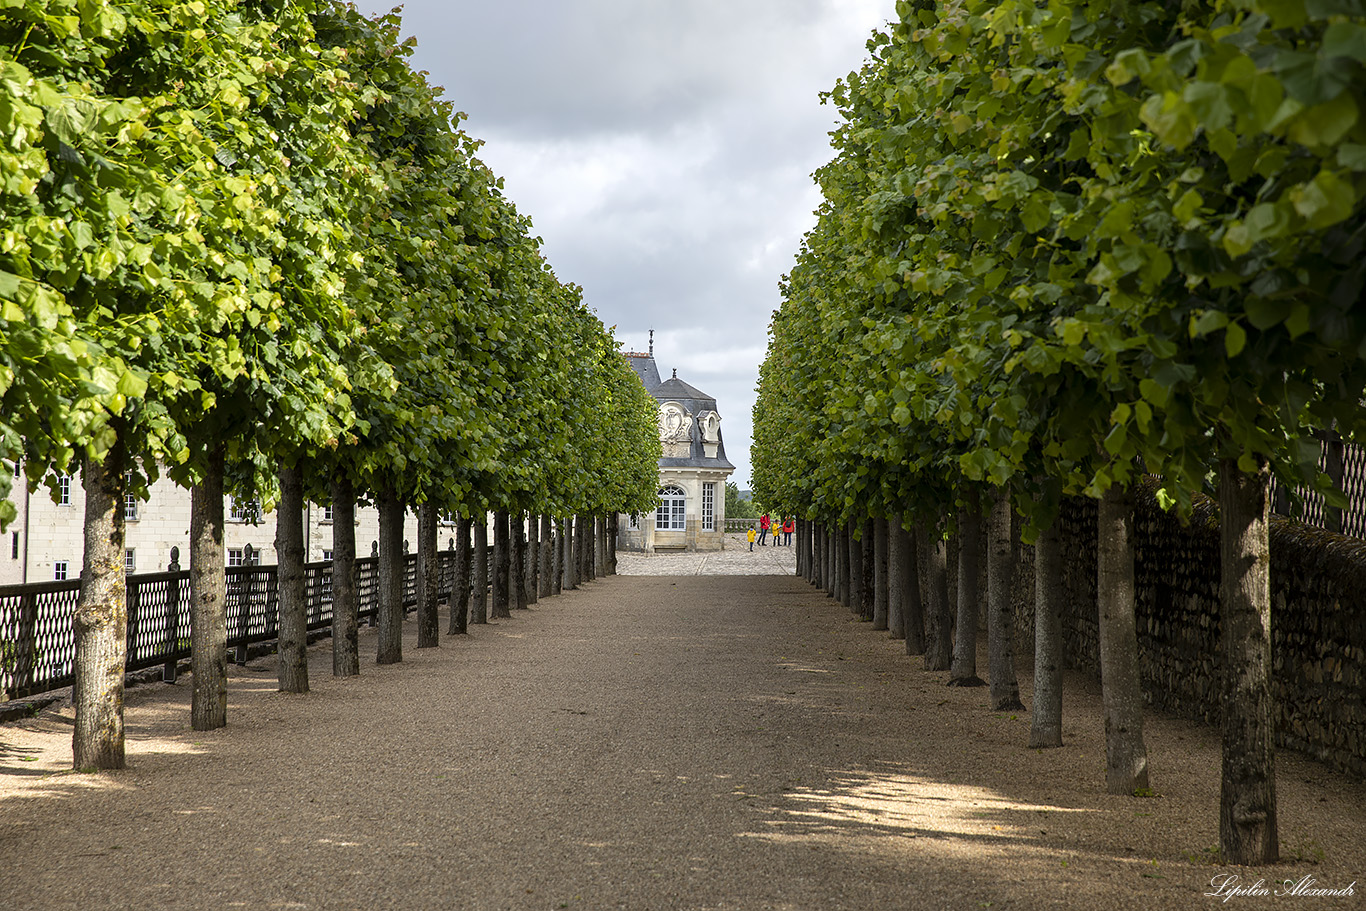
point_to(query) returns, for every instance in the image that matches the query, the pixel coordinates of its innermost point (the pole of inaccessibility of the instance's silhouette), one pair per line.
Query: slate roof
(694, 400)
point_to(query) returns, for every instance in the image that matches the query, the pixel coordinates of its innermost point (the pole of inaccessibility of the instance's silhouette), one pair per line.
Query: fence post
(133, 598)
(246, 591)
(1332, 466)
(26, 646)
(168, 670)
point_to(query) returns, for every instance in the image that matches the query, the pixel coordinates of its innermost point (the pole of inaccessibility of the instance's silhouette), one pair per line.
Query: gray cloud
(663, 151)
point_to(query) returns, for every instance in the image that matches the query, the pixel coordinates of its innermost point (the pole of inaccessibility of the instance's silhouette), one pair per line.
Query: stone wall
(1318, 621)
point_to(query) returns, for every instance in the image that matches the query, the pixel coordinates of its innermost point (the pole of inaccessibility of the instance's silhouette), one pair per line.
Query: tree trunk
(517, 570)
(533, 559)
(613, 530)
(479, 604)
(558, 557)
(896, 583)
(912, 600)
(547, 556)
(1005, 687)
(856, 556)
(839, 554)
(827, 561)
(881, 600)
(1045, 730)
(208, 601)
(869, 571)
(590, 557)
(345, 593)
(101, 620)
(963, 671)
(600, 552)
(292, 660)
(392, 569)
(933, 556)
(1247, 799)
(502, 562)
(460, 589)
(1126, 756)
(428, 577)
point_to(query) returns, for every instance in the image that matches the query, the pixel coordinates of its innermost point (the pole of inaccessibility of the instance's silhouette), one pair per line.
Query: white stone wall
(647, 537)
(48, 533)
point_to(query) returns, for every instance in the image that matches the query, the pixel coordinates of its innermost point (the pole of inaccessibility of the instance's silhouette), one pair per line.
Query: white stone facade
(47, 540)
(692, 471)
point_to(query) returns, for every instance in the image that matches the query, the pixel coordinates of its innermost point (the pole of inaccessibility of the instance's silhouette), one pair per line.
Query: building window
(130, 507)
(59, 570)
(130, 560)
(327, 513)
(234, 556)
(709, 506)
(237, 556)
(64, 492)
(243, 511)
(327, 555)
(635, 520)
(672, 513)
(14, 546)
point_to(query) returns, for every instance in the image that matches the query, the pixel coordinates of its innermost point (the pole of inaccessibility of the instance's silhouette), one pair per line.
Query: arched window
(672, 513)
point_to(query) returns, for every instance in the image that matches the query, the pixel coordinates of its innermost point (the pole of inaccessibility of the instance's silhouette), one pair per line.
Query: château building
(692, 469)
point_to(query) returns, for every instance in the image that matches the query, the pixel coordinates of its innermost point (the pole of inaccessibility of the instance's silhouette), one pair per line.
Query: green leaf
(1324, 201)
(1235, 339)
(1325, 124)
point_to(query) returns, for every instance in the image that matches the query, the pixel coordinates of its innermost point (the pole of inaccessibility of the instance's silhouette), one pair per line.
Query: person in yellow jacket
(752, 536)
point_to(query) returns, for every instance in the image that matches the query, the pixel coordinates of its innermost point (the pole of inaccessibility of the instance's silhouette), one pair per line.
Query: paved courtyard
(735, 560)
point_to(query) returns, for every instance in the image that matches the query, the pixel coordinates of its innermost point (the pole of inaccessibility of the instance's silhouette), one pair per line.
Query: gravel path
(650, 742)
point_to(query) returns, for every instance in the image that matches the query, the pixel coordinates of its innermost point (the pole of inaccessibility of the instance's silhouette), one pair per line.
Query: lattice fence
(37, 643)
(1345, 463)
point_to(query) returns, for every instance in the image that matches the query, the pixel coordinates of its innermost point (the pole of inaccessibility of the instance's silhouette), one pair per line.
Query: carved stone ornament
(675, 424)
(709, 422)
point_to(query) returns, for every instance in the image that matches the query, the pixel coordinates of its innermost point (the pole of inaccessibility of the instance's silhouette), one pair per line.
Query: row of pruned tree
(1064, 244)
(244, 243)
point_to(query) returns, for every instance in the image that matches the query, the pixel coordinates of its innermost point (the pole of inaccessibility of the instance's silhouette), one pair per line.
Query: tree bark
(896, 582)
(1045, 730)
(1005, 687)
(101, 619)
(479, 604)
(292, 660)
(460, 590)
(912, 600)
(1126, 756)
(869, 573)
(560, 572)
(881, 599)
(208, 601)
(963, 671)
(392, 568)
(856, 556)
(840, 561)
(533, 558)
(600, 552)
(1247, 799)
(517, 570)
(345, 593)
(827, 561)
(547, 556)
(612, 531)
(939, 618)
(502, 561)
(428, 577)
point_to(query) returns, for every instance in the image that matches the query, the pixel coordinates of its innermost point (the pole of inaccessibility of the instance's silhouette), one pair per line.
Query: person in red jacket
(789, 526)
(764, 523)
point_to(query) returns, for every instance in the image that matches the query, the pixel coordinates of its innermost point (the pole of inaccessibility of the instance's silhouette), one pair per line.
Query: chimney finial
(652, 343)
(675, 373)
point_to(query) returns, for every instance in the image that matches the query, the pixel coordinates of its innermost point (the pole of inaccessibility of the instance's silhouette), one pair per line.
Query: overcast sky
(663, 150)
